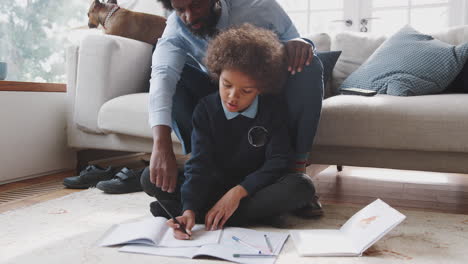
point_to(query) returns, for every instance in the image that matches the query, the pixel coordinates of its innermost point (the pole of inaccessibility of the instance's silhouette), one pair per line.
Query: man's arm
(299, 51)
(163, 165)
(168, 61)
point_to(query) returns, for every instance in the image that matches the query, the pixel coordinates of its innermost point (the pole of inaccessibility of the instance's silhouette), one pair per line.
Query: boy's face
(237, 90)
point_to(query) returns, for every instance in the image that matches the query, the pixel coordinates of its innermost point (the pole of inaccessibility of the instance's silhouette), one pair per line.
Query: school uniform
(251, 149)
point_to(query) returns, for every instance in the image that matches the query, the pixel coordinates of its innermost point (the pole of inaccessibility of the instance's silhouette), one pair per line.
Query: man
(179, 78)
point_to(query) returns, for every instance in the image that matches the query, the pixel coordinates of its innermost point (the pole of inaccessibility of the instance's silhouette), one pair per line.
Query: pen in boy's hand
(181, 226)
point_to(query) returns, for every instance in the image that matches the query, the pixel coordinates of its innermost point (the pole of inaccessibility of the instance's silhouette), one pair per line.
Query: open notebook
(360, 232)
(153, 231)
(225, 249)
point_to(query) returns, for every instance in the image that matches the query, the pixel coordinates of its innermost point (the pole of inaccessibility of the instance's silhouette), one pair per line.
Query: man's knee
(146, 184)
(308, 84)
(315, 68)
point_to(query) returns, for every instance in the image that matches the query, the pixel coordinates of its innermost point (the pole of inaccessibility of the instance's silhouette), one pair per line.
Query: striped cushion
(410, 63)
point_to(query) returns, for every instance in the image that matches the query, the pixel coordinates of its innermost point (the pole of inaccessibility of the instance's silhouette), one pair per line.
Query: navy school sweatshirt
(242, 151)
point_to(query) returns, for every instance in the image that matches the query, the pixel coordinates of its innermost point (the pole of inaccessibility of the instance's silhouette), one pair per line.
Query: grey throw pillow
(328, 59)
(410, 63)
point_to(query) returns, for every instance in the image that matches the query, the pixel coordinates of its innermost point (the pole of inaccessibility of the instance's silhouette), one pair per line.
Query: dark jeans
(290, 192)
(303, 93)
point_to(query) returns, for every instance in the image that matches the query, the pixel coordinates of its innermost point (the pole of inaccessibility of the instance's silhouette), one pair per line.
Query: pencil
(246, 244)
(181, 226)
(268, 243)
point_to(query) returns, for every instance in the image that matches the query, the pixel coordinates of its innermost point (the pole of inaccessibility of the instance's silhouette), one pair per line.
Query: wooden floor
(429, 191)
(28, 192)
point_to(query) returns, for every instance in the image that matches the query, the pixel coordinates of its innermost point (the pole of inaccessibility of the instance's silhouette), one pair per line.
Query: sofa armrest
(108, 67)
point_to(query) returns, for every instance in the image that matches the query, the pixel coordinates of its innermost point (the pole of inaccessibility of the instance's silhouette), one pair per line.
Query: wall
(145, 6)
(33, 135)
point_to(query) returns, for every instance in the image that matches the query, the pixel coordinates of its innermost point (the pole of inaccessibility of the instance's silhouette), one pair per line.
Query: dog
(125, 23)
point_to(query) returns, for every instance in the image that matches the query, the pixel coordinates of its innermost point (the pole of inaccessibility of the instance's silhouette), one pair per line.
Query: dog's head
(93, 12)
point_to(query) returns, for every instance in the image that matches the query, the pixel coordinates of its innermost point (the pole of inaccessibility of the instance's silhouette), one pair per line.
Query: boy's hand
(224, 208)
(187, 219)
(299, 53)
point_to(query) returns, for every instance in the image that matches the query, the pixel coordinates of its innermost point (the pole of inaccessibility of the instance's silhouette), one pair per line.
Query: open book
(153, 231)
(360, 232)
(225, 249)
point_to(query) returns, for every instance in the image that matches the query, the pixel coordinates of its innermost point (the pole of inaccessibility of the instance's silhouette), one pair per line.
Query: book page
(184, 252)
(200, 237)
(228, 247)
(323, 242)
(371, 223)
(145, 231)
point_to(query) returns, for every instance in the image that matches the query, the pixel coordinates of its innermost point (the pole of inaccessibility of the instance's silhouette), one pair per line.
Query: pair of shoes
(312, 209)
(89, 177)
(174, 207)
(125, 181)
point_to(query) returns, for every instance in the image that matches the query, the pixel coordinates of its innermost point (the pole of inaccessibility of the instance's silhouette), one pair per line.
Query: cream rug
(65, 230)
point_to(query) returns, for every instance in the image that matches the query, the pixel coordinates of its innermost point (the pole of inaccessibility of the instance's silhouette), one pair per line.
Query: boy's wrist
(240, 191)
(189, 213)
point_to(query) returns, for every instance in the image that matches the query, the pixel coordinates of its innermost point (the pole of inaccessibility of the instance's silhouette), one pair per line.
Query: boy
(237, 173)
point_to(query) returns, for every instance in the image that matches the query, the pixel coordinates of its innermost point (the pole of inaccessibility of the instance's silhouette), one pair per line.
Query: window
(315, 16)
(383, 16)
(33, 37)
(425, 15)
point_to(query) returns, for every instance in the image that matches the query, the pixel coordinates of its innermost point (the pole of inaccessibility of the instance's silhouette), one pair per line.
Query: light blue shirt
(250, 112)
(177, 42)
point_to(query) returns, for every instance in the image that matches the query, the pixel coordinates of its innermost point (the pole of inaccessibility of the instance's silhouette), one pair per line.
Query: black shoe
(89, 177)
(174, 207)
(312, 210)
(125, 181)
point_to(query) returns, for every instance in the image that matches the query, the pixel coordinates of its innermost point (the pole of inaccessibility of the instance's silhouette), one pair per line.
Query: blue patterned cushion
(410, 63)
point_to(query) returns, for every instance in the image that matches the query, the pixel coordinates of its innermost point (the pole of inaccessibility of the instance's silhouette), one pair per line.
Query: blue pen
(245, 244)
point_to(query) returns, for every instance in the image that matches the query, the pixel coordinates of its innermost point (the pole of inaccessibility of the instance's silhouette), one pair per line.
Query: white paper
(153, 231)
(183, 252)
(371, 223)
(199, 237)
(145, 231)
(225, 249)
(361, 231)
(228, 247)
(323, 242)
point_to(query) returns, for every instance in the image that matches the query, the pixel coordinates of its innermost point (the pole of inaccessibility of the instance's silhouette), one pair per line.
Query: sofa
(107, 93)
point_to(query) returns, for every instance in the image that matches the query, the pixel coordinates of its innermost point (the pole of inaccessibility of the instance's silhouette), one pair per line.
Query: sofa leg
(339, 167)
(87, 155)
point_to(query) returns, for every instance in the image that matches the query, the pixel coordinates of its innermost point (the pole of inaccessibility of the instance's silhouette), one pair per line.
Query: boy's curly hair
(251, 50)
(166, 4)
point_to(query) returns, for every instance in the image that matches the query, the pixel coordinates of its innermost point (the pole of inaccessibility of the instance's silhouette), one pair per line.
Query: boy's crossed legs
(262, 207)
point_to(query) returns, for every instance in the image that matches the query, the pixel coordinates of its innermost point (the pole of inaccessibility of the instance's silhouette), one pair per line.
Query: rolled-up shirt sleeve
(168, 61)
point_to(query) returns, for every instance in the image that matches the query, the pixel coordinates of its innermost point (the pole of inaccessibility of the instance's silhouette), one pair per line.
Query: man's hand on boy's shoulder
(299, 53)
(224, 208)
(188, 220)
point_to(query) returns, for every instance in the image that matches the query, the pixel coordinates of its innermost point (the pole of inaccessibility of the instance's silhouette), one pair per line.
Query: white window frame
(355, 10)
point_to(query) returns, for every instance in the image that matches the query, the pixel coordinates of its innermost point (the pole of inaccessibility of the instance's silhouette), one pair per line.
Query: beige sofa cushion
(356, 49)
(426, 123)
(127, 114)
